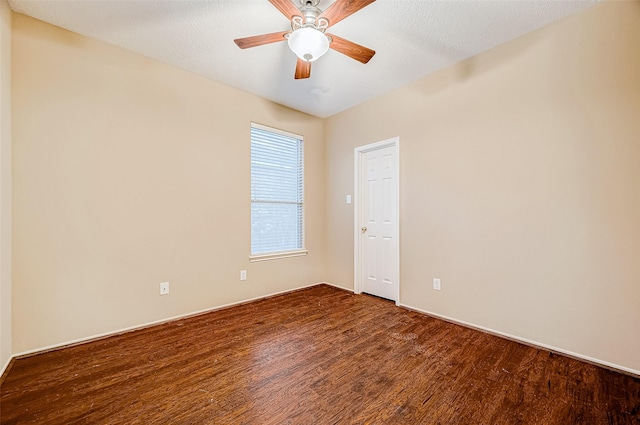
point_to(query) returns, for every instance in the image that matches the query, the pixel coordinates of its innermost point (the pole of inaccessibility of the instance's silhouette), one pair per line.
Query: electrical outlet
(164, 288)
(243, 275)
(436, 284)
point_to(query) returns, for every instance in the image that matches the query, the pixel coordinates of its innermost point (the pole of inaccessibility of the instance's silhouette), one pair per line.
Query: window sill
(277, 255)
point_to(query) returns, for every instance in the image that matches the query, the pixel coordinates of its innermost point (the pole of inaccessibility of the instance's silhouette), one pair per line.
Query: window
(277, 192)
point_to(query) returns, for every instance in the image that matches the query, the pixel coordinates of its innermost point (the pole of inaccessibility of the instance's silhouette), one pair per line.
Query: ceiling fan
(307, 37)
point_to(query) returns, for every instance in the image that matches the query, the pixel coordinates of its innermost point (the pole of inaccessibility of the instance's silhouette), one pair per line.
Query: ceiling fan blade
(351, 49)
(340, 9)
(286, 7)
(259, 40)
(303, 69)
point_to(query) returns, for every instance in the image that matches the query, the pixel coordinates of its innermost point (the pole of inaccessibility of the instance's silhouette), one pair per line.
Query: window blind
(277, 191)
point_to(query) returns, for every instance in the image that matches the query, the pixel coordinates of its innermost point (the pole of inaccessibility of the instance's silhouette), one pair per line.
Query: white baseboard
(536, 344)
(337, 286)
(156, 322)
(6, 365)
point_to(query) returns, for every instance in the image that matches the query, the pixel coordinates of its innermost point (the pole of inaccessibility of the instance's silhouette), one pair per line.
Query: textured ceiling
(411, 38)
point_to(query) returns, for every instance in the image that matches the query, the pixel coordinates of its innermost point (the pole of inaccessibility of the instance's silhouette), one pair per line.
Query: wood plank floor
(316, 356)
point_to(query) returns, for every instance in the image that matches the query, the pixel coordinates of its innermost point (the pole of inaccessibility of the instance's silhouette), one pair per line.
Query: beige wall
(520, 186)
(5, 184)
(128, 173)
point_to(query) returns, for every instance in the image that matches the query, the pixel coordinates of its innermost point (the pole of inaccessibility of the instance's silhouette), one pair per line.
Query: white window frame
(291, 253)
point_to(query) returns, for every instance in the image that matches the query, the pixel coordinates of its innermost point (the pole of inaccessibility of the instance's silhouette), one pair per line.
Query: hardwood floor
(316, 356)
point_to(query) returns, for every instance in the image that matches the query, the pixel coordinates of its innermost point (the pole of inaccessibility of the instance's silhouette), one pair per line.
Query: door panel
(379, 215)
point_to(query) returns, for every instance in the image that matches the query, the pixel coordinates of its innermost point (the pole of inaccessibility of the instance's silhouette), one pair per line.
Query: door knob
(364, 229)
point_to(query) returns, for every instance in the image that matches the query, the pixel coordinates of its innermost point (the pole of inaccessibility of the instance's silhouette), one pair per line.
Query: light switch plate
(436, 284)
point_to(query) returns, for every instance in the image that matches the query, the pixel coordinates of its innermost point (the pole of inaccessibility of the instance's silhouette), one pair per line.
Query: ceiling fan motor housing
(310, 12)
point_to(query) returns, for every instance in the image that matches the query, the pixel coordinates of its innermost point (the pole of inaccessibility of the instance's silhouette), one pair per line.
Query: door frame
(357, 210)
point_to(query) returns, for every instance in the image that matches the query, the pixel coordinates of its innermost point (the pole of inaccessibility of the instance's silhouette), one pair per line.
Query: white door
(378, 222)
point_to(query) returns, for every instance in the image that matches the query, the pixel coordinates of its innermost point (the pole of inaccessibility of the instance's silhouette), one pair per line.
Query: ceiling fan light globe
(308, 43)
